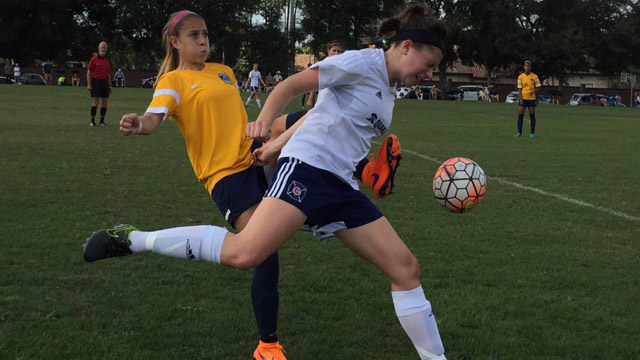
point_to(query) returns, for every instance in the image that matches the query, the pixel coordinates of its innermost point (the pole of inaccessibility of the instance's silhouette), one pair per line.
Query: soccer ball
(459, 184)
(402, 92)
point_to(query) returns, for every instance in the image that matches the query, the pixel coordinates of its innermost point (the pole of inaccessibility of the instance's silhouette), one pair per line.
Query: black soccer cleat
(108, 243)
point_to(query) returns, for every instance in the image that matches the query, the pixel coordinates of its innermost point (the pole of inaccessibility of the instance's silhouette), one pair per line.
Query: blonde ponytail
(171, 59)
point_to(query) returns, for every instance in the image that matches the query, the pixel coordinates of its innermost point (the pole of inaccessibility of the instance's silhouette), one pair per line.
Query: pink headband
(176, 19)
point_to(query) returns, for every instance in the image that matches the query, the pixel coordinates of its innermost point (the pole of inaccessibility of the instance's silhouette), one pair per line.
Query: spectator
(99, 83)
(269, 81)
(434, 93)
(46, 71)
(482, 96)
(277, 78)
(8, 69)
(120, 80)
(638, 100)
(61, 79)
(618, 99)
(16, 74)
(75, 79)
(418, 91)
(494, 96)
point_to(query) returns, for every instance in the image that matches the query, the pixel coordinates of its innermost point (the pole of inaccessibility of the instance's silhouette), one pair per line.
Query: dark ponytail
(415, 17)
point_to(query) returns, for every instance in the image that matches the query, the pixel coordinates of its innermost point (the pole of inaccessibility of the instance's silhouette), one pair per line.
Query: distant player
(255, 79)
(528, 88)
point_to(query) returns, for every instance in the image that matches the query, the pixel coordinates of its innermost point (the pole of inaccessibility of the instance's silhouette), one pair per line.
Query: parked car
(514, 98)
(32, 79)
(3, 80)
(585, 99)
(469, 92)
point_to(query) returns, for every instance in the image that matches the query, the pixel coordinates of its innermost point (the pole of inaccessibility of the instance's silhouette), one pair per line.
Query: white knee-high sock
(202, 242)
(259, 103)
(417, 320)
(248, 101)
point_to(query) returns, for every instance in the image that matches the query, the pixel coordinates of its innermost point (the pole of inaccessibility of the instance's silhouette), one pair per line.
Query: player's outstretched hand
(259, 131)
(266, 155)
(129, 124)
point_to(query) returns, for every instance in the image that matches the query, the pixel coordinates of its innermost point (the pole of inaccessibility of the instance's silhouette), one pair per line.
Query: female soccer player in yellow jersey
(202, 98)
(528, 88)
(313, 185)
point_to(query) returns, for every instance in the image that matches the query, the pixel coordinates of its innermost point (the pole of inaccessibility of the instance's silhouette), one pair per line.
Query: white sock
(202, 242)
(248, 101)
(417, 320)
(259, 103)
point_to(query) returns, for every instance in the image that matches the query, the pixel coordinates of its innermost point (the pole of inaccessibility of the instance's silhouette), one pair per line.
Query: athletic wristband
(139, 127)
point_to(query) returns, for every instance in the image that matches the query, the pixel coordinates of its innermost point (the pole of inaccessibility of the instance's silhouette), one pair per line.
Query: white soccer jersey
(355, 105)
(255, 76)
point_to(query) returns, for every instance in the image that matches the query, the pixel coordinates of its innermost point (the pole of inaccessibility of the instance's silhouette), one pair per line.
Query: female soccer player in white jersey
(255, 79)
(313, 183)
(203, 100)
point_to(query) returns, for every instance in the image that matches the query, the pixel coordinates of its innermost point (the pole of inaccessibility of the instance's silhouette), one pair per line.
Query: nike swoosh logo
(262, 357)
(194, 85)
(375, 179)
(171, 248)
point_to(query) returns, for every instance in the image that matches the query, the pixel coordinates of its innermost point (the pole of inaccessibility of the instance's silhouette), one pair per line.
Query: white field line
(539, 191)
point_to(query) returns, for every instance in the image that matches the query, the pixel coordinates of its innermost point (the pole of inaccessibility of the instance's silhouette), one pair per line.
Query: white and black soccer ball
(402, 92)
(459, 184)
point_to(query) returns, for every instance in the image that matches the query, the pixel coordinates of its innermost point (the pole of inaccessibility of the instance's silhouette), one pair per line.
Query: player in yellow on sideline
(528, 88)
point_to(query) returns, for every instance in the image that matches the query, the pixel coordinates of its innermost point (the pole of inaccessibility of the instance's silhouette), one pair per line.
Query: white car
(585, 99)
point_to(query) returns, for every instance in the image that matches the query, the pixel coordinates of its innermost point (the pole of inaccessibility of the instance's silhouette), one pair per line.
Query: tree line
(560, 37)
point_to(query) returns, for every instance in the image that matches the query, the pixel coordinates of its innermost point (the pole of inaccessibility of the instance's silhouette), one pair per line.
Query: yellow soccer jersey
(528, 84)
(209, 112)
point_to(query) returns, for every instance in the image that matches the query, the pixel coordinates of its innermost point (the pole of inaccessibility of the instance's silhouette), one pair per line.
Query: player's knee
(243, 258)
(406, 271)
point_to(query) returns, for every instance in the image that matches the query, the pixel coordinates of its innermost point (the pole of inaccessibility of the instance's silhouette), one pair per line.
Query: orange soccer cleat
(378, 175)
(269, 351)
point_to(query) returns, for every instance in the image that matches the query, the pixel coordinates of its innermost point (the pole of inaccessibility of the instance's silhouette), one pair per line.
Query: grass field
(547, 267)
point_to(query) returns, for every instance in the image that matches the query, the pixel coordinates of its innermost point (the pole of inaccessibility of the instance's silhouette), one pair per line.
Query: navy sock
(520, 120)
(103, 112)
(265, 298)
(533, 122)
(360, 168)
(93, 113)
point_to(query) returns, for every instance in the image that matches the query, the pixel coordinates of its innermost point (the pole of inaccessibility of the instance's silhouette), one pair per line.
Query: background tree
(37, 29)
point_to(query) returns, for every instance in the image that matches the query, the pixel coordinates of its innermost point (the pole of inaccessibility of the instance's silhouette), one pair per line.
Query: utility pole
(291, 31)
(631, 79)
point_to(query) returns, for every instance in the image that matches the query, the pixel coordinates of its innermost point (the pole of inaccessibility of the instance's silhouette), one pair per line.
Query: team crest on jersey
(379, 94)
(296, 191)
(224, 78)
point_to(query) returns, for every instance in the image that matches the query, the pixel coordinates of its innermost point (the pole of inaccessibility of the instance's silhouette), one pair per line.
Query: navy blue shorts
(293, 117)
(329, 203)
(255, 88)
(529, 103)
(236, 193)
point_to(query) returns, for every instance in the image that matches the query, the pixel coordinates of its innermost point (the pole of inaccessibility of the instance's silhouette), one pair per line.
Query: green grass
(525, 275)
